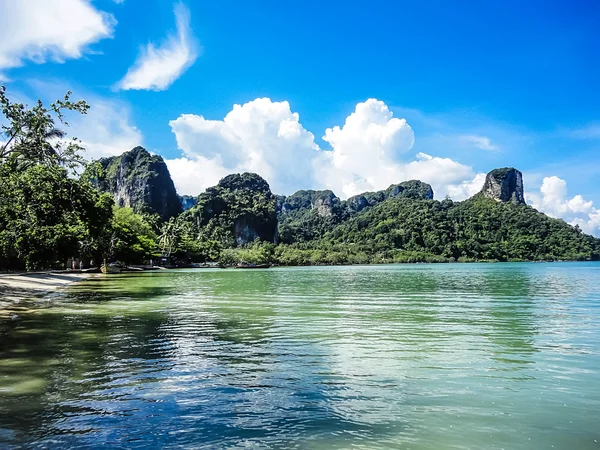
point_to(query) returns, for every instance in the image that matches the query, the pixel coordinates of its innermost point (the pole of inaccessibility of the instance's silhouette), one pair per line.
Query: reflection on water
(409, 356)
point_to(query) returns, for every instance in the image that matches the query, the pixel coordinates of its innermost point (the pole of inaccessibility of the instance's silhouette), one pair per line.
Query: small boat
(252, 266)
(110, 268)
(206, 265)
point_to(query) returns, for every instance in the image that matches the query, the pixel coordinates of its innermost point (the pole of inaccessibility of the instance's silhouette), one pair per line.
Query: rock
(241, 205)
(187, 201)
(504, 185)
(361, 201)
(324, 203)
(140, 181)
(414, 189)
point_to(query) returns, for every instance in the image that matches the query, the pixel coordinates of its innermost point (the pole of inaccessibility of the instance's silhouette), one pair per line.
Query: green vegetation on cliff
(400, 224)
(48, 214)
(309, 215)
(140, 181)
(239, 210)
(476, 229)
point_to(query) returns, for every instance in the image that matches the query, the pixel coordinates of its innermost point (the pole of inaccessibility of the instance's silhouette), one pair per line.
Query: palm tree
(169, 237)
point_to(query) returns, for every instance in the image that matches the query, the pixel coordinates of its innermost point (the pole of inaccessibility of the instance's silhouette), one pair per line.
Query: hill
(141, 181)
(402, 223)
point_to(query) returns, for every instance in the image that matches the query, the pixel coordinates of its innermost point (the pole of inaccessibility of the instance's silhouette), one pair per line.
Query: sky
(347, 96)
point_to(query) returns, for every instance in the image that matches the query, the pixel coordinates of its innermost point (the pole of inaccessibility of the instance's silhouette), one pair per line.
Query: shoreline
(20, 286)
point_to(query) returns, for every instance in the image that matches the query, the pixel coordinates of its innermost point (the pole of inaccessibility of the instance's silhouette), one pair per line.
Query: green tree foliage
(31, 136)
(239, 210)
(400, 224)
(476, 229)
(46, 215)
(132, 239)
(139, 180)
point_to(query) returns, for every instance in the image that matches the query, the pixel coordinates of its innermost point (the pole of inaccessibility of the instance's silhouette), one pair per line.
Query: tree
(132, 239)
(31, 136)
(46, 215)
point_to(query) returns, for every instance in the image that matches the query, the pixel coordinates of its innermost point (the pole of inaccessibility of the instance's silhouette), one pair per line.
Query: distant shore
(19, 286)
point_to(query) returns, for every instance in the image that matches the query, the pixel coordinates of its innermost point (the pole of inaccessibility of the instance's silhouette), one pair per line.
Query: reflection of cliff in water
(511, 316)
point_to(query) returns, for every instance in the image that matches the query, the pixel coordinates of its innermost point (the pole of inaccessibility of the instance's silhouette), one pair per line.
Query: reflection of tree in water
(237, 355)
(49, 356)
(93, 347)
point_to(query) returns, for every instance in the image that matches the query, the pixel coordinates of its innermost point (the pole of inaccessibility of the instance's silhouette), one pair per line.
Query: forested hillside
(400, 224)
(140, 181)
(49, 213)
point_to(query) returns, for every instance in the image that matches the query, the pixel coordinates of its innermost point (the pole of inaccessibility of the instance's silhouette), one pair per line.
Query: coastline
(20, 286)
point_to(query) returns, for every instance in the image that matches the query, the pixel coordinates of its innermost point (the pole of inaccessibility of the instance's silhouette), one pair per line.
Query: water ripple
(408, 356)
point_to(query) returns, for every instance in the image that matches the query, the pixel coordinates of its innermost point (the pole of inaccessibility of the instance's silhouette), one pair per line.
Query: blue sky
(480, 84)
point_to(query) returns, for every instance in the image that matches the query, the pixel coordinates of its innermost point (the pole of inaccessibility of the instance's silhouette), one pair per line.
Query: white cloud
(440, 173)
(553, 200)
(369, 152)
(157, 67)
(480, 142)
(365, 150)
(589, 224)
(466, 189)
(260, 136)
(106, 129)
(43, 30)
(192, 176)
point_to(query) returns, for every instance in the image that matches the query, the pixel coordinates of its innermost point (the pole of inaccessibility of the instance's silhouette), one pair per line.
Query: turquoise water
(462, 356)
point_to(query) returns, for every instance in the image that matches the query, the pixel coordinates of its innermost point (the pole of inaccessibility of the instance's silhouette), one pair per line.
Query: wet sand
(16, 287)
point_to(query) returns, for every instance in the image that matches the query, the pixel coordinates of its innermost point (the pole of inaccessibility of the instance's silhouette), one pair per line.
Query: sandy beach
(15, 287)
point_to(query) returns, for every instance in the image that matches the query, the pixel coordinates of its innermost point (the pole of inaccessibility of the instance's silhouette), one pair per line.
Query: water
(403, 356)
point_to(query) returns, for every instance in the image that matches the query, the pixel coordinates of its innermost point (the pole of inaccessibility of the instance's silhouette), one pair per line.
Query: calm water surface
(403, 356)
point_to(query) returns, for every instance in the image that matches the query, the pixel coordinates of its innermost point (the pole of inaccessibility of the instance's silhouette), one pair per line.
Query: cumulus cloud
(260, 136)
(466, 189)
(370, 151)
(106, 130)
(157, 67)
(553, 200)
(192, 176)
(440, 173)
(43, 30)
(365, 150)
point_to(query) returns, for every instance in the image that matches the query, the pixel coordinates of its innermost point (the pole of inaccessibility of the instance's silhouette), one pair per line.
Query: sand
(16, 287)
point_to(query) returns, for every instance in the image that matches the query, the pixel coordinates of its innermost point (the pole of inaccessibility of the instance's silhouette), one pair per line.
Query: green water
(404, 356)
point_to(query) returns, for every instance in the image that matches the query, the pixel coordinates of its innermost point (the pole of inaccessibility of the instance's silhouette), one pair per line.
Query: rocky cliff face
(414, 189)
(240, 208)
(187, 201)
(324, 203)
(504, 185)
(327, 204)
(141, 181)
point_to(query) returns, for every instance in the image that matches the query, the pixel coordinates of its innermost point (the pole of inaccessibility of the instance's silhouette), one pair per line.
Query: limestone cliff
(237, 211)
(324, 203)
(187, 201)
(414, 189)
(141, 181)
(504, 185)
